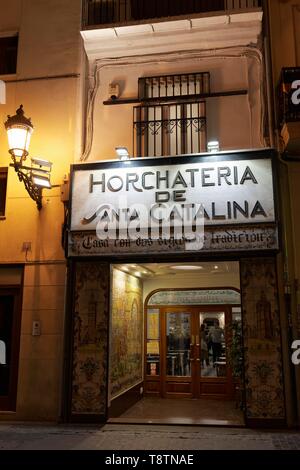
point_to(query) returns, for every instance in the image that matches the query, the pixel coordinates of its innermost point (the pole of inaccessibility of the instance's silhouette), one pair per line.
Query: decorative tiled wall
(126, 352)
(262, 342)
(90, 348)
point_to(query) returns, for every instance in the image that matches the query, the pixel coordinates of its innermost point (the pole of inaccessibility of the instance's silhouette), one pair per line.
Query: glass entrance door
(194, 352)
(178, 351)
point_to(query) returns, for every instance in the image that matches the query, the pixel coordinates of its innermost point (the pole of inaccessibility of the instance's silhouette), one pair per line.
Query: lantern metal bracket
(35, 192)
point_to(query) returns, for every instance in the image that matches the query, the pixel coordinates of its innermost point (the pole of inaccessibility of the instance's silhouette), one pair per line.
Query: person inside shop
(216, 336)
(203, 345)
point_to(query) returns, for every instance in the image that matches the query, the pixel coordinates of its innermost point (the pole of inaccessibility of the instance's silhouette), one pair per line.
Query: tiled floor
(182, 411)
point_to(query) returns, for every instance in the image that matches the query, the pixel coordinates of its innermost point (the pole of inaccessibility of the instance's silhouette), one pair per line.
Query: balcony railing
(169, 129)
(103, 12)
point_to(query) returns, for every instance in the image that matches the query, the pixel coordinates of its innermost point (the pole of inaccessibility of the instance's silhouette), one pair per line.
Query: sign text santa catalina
(127, 201)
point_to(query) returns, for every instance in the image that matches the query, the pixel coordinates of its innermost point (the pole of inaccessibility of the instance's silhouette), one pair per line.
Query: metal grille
(96, 12)
(173, 129)
(174, 85)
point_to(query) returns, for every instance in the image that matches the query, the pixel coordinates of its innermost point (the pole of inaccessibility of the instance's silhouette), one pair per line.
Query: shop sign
(217, 240)
(231, 192)
(195, 297)
(148, 205)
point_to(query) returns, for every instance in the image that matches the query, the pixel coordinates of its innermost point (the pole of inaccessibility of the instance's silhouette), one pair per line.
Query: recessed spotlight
(122, 153)
(216, 267)
(213, 146)
(182, 267)
(137, 273)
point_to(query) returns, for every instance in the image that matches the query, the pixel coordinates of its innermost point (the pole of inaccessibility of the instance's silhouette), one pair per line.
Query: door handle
(197, 341)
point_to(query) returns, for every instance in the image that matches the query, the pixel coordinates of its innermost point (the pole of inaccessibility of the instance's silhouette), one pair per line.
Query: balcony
(289, 109)
(102, 13)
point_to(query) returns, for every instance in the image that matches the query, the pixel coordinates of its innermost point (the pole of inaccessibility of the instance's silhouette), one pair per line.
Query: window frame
(3, 171)
(9, 47)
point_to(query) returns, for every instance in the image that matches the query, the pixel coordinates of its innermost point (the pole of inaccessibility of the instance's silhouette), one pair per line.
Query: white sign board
(216, 240)
(231, 192)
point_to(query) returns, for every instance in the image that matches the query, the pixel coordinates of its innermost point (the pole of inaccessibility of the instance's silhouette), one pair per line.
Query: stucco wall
(233, 120)
(285, 52)
(285, 34)
(49, 84)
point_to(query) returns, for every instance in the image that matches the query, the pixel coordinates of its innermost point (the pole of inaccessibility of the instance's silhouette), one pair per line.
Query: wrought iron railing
(102, 12)
(164, 86)
(169, 129)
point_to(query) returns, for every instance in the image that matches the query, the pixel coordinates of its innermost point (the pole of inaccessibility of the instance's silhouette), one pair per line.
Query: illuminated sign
(231, 192)
(232, 195)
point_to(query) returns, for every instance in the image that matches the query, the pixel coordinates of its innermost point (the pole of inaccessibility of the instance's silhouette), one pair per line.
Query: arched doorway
(193, 343)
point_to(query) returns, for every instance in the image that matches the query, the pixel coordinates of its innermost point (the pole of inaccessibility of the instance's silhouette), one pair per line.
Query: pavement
(143, 437)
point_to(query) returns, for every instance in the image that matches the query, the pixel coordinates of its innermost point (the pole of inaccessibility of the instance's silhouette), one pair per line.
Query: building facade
(284, 40)
(46, 76)
(113, 319)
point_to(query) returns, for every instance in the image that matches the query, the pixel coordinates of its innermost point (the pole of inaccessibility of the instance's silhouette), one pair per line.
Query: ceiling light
(216, 267)
(182, 267)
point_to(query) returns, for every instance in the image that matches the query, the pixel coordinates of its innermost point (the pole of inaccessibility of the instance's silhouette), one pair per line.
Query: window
(172, 117)
(168, 86)
(3, 186)
(163, 8)
(171, 129)
(8, 55)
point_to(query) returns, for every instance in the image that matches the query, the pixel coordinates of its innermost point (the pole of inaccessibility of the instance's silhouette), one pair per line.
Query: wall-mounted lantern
(37, 176)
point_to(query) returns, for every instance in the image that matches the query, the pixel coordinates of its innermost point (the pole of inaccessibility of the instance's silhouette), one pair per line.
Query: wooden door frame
(227, 309)
(194, 310)
(8, 402)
